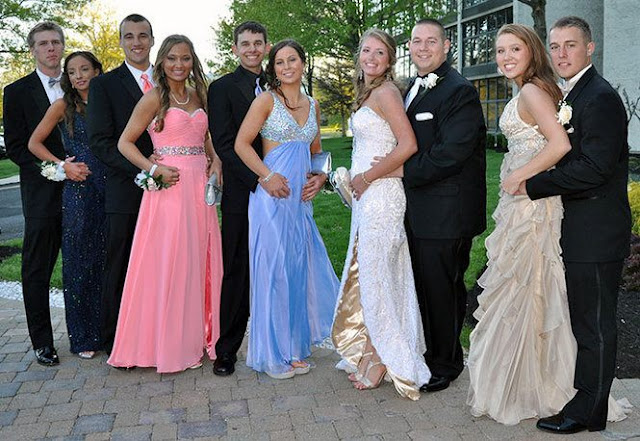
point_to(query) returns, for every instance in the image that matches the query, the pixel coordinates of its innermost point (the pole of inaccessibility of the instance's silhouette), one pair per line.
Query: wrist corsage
(565, 112)
(53, 171)
(146, 181)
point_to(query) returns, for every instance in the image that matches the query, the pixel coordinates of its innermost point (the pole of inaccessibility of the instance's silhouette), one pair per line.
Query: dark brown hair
(72, 100)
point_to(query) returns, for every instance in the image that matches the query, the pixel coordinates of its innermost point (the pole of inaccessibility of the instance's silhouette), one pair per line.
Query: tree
(335, 90)
(538, 13)
(100, 36)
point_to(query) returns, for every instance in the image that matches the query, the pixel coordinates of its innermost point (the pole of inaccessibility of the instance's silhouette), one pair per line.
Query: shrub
(631, 270)
(634, 201)
(491, 141)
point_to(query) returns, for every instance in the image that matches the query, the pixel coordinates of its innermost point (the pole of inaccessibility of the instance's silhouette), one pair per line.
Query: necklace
(182, 103)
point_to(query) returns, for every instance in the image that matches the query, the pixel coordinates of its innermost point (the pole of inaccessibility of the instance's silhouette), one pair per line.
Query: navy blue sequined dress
(83, 242)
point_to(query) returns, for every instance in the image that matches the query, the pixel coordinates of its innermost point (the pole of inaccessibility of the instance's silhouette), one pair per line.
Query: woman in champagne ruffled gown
(169, 311)
(523, 352)
(377, 327)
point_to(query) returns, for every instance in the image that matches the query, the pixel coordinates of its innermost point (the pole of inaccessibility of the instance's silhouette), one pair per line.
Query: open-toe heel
(364, 362)
(371, 383)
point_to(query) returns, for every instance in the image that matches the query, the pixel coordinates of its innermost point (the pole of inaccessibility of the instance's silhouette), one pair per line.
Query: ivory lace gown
(523, 352)
(377, 295)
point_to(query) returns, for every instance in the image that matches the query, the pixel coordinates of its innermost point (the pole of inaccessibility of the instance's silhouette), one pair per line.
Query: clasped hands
(278, 186)
(513, 185)
(76, 171)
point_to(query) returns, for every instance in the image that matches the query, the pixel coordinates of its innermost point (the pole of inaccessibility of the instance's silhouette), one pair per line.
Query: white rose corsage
(146, 181)
(565, 112)
(53, 171)
(430, 80)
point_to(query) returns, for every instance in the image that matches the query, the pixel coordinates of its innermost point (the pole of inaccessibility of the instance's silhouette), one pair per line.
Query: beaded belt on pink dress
(180, 150)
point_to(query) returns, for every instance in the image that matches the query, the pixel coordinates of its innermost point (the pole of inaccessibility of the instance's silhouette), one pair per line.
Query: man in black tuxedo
(592, 180)
(25, 103)
(446, 195)
(229, 100)
(112, 98)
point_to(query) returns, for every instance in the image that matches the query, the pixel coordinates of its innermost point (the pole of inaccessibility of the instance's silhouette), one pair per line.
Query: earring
(499, 71)
(388, 76)
(361, 75)
(277, 82)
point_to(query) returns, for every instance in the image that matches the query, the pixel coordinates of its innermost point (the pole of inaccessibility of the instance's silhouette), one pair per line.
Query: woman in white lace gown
(377, 328)
(522, 354)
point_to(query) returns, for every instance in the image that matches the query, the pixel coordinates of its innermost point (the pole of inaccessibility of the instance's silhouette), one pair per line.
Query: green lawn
(8, 168)
(333, 221)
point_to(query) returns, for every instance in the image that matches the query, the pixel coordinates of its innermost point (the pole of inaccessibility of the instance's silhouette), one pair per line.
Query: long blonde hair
(363, 91)
(196, 79)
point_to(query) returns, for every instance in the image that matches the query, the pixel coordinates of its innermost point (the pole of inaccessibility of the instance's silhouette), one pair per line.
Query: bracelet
(364, 178)
(269, 176)
(60, 170)
(153, 169)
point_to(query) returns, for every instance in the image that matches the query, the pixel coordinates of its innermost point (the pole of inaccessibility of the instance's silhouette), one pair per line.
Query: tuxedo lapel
(441, 72)
(38, 93)
(580, 85)
(129, 82)
(247, 92)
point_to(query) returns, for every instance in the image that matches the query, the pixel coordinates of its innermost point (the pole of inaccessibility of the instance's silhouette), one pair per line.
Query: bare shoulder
(531, 93)
(387, 90)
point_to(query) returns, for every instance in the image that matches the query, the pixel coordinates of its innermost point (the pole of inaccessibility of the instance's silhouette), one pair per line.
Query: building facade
(472, 25)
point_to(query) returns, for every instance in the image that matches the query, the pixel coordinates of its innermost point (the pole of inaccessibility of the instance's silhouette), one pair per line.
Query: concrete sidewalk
(10, 180)
(87, 399)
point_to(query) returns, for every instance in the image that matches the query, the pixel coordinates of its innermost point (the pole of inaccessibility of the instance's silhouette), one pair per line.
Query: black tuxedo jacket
(445, 179)
(229, 100)
(25, 103)
(592, 177)
(112, 97)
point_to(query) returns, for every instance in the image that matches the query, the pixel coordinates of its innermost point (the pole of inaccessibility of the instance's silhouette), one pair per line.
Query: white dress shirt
(53, 92)
(137, 74)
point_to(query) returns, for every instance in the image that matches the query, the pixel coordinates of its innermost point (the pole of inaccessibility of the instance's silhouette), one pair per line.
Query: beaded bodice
(281, 127)
(372, 136)
(525, 141)
(183, 133)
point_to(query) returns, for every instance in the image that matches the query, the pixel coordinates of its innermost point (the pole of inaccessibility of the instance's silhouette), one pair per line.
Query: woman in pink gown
(170, 302)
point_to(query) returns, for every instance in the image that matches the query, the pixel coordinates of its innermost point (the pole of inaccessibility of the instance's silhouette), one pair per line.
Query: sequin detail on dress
(381, 274)
(83, 242)
(281, 127)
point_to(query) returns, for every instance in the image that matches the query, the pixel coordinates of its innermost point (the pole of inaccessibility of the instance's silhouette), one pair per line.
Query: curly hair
(72, 100)
(539, 71)
(196, 79)
(362, 90)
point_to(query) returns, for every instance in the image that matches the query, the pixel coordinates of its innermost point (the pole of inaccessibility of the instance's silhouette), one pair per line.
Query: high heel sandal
(355, 376)
(366, 382)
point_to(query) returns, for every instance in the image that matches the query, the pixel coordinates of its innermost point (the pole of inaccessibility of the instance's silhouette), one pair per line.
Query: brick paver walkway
(87, 399)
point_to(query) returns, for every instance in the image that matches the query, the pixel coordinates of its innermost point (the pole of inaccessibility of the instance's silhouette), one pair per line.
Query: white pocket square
(424, 116)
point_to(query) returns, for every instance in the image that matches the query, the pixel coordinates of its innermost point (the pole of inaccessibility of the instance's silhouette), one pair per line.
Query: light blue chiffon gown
(293, 285)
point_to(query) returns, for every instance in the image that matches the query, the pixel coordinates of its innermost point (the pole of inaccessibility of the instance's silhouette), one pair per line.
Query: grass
(8, 168)
(333, 220)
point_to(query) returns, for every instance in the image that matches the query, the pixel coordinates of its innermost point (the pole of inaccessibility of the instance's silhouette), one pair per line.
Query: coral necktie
(146, 84)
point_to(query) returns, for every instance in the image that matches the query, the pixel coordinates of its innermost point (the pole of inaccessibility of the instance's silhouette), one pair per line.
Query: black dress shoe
(560, 424)
(224, 365)
(124, 368)
(435, 384)
(47, 356)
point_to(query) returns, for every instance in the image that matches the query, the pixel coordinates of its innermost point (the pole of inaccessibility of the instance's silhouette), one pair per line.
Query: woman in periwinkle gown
(377, 328)
(83, 219)
(522, 354)
(293, 286)
(170, 301)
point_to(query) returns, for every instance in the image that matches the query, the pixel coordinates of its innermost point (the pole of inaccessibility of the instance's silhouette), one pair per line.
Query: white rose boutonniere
(53, 171)
(431, 80)
(565, 112)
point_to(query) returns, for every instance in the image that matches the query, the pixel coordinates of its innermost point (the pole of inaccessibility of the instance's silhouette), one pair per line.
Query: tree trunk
(538, 13)
(310, 77)
(343, 120)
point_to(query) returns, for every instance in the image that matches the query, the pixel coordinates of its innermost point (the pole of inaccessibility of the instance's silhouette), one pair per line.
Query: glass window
(479, 36)
(494, 94)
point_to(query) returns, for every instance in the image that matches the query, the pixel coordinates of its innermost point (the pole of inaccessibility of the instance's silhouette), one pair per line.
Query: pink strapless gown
(170, 302)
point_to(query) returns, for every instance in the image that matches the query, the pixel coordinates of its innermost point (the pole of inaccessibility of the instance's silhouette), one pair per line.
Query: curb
(10, 180)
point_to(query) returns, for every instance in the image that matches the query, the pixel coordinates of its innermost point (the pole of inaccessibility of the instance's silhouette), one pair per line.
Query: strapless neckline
(374, 113)
(190, 114)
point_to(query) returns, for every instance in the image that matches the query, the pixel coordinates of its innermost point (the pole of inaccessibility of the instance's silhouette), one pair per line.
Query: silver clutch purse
(212, 191)
(321, 163)
(341, 182)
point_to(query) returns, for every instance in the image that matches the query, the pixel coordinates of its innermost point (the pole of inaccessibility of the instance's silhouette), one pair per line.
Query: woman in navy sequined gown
(293, 286)
(83, 220)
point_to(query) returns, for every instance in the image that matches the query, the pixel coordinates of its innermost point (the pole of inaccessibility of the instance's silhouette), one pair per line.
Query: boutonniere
(565, 112)
(431, 80)
(53, 171)
(146, 181)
